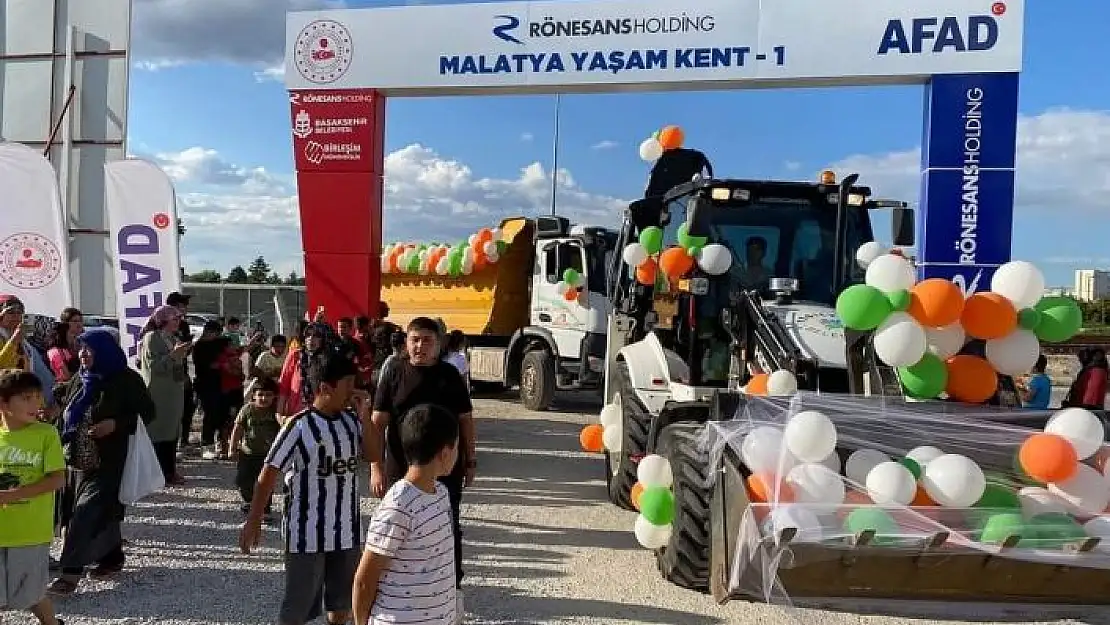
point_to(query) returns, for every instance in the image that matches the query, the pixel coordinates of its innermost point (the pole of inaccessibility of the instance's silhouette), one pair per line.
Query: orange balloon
(571, 295)
(1048, 457)
(988, 316)
(485, 235)
(922, 498)
(637, 490)
(936, 302)
(671, 137)
(761, 490)
(590, 437)
(758, 384)
(647, 272)
(971, 379)
(676, 262)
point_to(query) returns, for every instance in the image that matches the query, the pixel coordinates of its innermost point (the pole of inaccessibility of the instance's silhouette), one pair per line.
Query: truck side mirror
(902, 226)
(697, 217)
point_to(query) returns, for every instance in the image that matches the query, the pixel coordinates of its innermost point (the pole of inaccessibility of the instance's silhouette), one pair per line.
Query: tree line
(257, 272)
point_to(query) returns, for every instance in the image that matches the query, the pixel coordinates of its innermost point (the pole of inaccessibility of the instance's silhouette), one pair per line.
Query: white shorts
(24, 575)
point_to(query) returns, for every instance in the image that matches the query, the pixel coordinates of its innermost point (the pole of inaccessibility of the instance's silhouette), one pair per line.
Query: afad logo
(974, 33)
(504, 30)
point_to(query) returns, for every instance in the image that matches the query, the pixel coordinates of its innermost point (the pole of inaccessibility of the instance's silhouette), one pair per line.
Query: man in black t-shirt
(422, 378)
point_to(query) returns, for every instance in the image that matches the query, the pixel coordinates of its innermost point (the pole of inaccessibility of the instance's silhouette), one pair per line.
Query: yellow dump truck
(523, 330)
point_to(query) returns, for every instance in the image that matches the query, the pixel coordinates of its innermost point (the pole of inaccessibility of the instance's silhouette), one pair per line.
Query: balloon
(1086, 493)
(1081, 428)
(1098, 527)
(612, 437)
(912, 466)
(925, 379)
(815, 483)
(763, 488)
(868, 252)
(890, 483)
(651, 536)
(650, 150)
(924, 454)
(782, 383)
(1060, 320)
(1029, 318)
(687, 241)
(590, 437)
(988, 316)
(610, 415)
(900, 301)
(899, 341)
(810, 436)
(946, 342)
(634, 254)
(1000, 527)
(860, 463)
(671, 137)
(763, 452)
(832, 462)
(806, 525)
(652, 239)
(1054, 530)
(489, 248)
(715, 259)
(654, 470)
(385, 264)
(1020, 282)
(635, 494)
(1036, 501)
(998, 496)
(862, 307)
(870, 519)
(657, 505)
(1048, 458)
(1015, 353)
(571, 276)
(954, 481)
(890, 273)
(971, 379)
(571, 294)
(758, 384)
(647, 272)
(936, 302)
(676, 262)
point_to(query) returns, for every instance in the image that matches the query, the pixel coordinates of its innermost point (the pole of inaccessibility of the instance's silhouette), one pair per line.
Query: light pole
(555, 154)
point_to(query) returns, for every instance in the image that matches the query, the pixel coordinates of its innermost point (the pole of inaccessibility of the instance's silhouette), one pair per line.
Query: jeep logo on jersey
(337, 466)
(940, 34)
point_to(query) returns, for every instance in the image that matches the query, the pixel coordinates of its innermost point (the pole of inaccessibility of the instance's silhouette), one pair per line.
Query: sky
(207, 102)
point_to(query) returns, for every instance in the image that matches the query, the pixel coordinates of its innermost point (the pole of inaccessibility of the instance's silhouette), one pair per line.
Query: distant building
(1059, 291)
(1092, 285)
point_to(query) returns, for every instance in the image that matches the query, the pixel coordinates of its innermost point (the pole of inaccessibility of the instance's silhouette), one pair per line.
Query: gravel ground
(542, 546)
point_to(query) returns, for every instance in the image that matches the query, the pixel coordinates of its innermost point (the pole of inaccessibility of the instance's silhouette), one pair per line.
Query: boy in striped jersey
(318, 452)
(407, 573)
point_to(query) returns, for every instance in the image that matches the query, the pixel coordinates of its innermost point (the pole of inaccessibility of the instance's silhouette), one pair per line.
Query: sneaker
(210, 453)
(61, 587)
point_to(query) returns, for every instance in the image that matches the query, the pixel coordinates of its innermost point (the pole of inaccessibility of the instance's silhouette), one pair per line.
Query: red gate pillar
(338, 139)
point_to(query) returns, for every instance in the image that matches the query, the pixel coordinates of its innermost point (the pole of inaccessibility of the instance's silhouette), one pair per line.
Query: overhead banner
(142, 222)
(34, 261)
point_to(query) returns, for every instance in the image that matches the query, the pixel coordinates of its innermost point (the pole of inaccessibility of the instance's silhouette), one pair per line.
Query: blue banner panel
(970, 120)
(968, 218)
(970, 278)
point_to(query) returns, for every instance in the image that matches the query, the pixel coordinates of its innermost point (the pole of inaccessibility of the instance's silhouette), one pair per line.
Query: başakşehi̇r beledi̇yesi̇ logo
(323, 51)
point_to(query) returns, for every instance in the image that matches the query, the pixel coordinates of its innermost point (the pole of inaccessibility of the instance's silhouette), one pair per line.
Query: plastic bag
(142, 474)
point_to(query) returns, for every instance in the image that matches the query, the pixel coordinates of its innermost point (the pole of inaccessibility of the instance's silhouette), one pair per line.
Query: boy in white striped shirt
(407, 572)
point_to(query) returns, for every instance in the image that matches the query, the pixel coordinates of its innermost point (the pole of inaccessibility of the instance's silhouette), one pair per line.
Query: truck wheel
(537, 380)
(620, 466)
(684, 561)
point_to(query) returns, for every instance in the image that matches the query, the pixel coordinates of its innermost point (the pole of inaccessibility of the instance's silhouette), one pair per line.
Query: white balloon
(561, 287)
(868, 252)
(832, 462)
(385, 263)
(468, 255)
(651, 150)
(654, 470)
(612, 436)
(1036, 501)
(810, 436)
(890, 483)
(900, 340)
(423, 270)
(806, 524)
(1085, 493)
(490, 248)
(890, 273)
(423, 254)
(715, 259)
(861, 462)
(494, 257)
(946, 342)
(470, 240)
(763, 452)
(1099, 527)
(651, 536)
(1015, 353)
(442, 266)
(610, 415)
(781, 383)
(634, 254)
(924, 454)
(954, 481)
(815, 483)
(467, 267)
(1020, 282)
(1079, 426)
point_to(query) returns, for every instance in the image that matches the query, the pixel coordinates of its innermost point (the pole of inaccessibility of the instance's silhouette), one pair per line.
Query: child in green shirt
(256, 428)
(32, 468)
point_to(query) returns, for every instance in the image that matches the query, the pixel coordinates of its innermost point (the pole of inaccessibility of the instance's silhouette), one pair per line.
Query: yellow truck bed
(493, 301)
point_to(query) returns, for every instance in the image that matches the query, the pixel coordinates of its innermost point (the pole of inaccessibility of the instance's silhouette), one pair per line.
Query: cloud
(204, 168)
(604, 145)
(527, 137)
(274, 73)
(792, 165)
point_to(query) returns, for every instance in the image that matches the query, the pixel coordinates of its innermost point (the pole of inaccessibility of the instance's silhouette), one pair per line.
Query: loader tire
(684, 562)
(637, 422)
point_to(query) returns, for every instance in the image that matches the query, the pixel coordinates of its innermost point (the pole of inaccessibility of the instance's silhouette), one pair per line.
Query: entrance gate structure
(342, 65)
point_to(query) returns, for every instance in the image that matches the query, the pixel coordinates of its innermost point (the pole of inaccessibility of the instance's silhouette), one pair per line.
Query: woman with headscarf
(103, 405)
(63, 344)
(300, 376)
(1090, 386)
(162, 363)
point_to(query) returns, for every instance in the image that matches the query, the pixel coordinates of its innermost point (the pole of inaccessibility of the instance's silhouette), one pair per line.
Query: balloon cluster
(652, 496)
(920, 327)
(572, 285)
(668, 138)
(606, 434)
(651, 261)
(779, 383)
(479, 251)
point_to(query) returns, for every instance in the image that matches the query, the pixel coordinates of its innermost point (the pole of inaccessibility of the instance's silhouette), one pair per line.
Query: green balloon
(1055, 529)
(900, 300)
(1060, 319)
(870, 518)
(694, 250)
(862, 307)
(913, 466)
(926, 379)
(998, 496)
(502, 246)
(571, 276)
(657, 505)
(1001, 526)
(1029, 318)
(686, 241)
(652, 239)
(414, 264)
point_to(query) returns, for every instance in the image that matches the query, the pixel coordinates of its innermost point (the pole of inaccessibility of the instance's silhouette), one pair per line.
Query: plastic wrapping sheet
(909, 478)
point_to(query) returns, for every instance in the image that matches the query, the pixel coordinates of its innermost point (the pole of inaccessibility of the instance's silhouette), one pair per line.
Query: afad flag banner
(142, 219)
(34, 259)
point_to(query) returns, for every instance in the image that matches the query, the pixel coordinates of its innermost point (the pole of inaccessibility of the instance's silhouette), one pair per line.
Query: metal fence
(272, 305)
